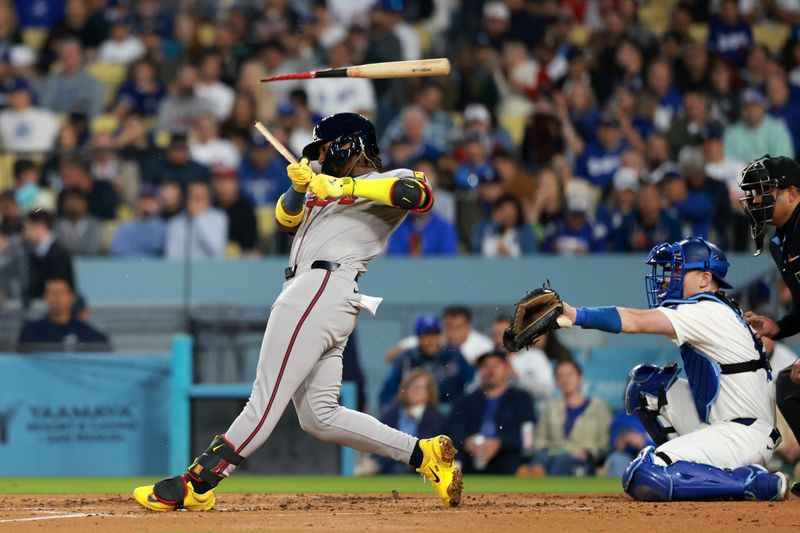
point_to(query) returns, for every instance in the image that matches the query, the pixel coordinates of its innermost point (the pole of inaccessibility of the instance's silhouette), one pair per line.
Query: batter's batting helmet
(349, 134)
(671, 261)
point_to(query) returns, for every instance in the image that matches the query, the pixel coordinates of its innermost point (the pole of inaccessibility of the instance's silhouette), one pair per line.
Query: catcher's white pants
(721, 444)
(301, 360)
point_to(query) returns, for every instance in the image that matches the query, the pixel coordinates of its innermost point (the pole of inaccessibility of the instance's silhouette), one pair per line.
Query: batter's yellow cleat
(171, 501)
(438, 467)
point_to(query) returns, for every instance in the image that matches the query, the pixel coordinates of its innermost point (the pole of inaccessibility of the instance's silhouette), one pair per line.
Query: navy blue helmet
(671, 261)
(349, 134)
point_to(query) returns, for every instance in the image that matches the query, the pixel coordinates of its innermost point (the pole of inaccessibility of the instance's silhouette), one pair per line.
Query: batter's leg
(320, 415)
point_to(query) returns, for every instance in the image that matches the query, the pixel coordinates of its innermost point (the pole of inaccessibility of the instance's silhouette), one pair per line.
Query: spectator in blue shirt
(142, 92)
(262, 173)
(601, 159)
(489, 423)
(785, 106)
(505, 233)
(176, 165)
(451, 371)
(145, 236)
(694, 209)
(415, 412)
(576, 233)
(423, 234)
(622, 200)
(647, 225)
(628, 437)
(476, 151)
(661, 88)
(39, 13)
(60, 330)
(729, 35)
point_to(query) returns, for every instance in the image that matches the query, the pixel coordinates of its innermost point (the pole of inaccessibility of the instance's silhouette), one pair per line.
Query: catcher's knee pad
(209, 466)
(646, 395)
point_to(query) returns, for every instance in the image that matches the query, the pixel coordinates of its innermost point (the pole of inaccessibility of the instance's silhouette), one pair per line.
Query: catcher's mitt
(535, 314)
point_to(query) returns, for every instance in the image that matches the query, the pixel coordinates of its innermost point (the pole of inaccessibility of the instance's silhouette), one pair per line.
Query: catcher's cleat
(172, 494)
(438, 467)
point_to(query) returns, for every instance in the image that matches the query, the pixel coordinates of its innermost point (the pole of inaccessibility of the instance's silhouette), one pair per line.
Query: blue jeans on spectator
(563, 464)
(617, 462)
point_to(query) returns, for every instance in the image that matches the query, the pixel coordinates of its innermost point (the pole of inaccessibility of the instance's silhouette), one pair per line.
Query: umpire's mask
(759, 187)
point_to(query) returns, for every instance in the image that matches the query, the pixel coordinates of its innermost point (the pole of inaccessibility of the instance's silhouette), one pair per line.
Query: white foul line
(74, 515)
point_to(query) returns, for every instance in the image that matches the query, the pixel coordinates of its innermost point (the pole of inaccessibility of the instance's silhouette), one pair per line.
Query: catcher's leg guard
(649, 477)
(646, 395)
(212, 462)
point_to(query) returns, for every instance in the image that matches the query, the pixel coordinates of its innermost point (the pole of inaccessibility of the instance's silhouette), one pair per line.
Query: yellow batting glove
(324, 186)
(300, 174)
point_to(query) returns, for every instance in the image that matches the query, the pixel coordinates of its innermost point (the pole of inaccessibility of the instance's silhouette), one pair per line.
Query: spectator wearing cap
(415, 412)
(353, 94)
(628, 437)
(60, 329)
(144, 236)
(601, 158)
(478, 120)
(28, 192)
(476, 161)
(23, 127)
(178, 111)
(423, 234)
(22, 60)
(448, 366)
(242, 228)
(622, 200)
(72, 89)
(176, 165)
(647, 225)
(757, 133)
(209, 149)
(730, 35)
(572, 432)
(200, 231)
(687, 128)
(785, 107)
(142, 92)
(263, 172)
(496, 22)
(122, 46)
(577, 233)
(47, 259)
(76, 173)
(78, 231)
(505, 233)
(661, 88)
(210, 88)
(489, 424)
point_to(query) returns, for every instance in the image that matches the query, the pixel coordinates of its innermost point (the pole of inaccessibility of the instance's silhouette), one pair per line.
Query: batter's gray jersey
(350, 231)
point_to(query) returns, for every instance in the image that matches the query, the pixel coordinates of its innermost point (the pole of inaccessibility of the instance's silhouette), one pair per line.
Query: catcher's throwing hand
(300, 174)
(538, 312)
(324, 186)
(764, 326)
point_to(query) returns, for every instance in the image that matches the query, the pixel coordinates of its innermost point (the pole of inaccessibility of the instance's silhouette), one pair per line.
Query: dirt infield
(481, 512)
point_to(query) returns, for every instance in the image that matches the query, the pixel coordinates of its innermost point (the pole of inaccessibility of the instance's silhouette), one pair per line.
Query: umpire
(771, 188)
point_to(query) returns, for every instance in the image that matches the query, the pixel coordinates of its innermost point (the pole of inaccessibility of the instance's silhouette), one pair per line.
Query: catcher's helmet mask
(760, 181)
(348, 136)
(671, 262)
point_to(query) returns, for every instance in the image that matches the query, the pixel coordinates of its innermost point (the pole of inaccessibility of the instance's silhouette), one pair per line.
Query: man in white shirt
(24, 128)
(718, 165)
(209, 149)
(210, 88)
(333, 95)
(201, 231)
(457, 331)
(532, 369)
(122, 46)
(715, 430)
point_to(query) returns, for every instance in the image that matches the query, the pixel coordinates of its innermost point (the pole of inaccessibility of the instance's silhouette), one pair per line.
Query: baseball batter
(715, 429)
(342, 219)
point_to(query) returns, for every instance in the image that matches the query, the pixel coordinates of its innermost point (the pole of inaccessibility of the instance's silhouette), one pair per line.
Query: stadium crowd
(565, 127)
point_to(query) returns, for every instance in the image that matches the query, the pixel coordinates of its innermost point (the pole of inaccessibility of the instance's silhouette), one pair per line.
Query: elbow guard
(286, 219)
(413, 194)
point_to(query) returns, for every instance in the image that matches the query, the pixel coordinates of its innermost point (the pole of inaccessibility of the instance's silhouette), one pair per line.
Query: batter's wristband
(293, 200)
(601, 318)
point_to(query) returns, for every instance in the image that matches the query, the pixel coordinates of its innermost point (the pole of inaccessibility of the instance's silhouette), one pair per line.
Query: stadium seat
(105, 123)
(265, 221)
(605, 374)
(699, 32)
(515, 124)
(6, 171)
(771, 35)
(111, 74)
(579, 35)
(205, 35)
(34, 37)
(232, 250)
(656, 14)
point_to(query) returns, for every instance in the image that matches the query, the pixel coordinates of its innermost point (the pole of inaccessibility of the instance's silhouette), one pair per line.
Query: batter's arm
(620, 320)
(402, 192)
(290, 209)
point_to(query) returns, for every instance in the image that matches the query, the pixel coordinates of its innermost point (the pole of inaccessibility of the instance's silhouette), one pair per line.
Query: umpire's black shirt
(785, 250)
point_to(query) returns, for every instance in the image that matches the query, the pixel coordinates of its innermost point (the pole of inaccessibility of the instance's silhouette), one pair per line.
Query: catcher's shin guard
(209, 466)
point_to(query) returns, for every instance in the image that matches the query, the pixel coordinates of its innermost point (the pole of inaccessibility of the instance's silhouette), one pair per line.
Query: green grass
(315, 484)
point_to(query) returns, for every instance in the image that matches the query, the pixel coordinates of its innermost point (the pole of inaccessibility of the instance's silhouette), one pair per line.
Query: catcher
(715, 429)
